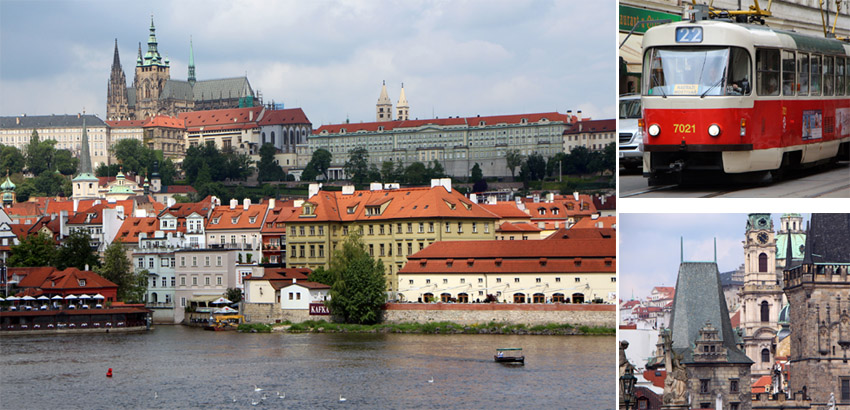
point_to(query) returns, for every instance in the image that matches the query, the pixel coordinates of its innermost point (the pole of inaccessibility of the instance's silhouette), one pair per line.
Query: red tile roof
(133, 226)
(182, 210)
(276, 219)
(762, 385)
(222, 217)
(55, 207)
(583, 233)
(518, 227)
(408, 203)
(164, 121)
(465, 121)
(605, 203)
(24, 210)
(52, 280)
(606, 221)
(507, 210)
(231, 118)
(125, 123)
(285, 116)
(94, 214)
(630, 304)
(591, 126)
(307, 284)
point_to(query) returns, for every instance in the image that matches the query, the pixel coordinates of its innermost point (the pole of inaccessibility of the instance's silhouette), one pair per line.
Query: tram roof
(740, 33)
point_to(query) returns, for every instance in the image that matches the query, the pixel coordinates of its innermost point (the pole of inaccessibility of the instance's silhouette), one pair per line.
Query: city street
(830, 183)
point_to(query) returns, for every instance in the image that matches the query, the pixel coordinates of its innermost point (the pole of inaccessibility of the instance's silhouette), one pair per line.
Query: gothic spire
(191, 63)
(85, 157)
(116, 62)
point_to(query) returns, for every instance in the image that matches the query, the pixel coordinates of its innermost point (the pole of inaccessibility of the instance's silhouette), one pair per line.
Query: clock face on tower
(762, 238)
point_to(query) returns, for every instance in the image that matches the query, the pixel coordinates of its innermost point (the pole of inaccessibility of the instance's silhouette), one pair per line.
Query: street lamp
(627, 386)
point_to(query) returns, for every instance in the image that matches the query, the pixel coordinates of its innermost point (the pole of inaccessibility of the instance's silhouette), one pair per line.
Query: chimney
(297, 203)
(233, 203)
(18, 120)
(251, 115)
(86, 267)
(594, 216)
(575, 195)
(313, 189)
(348, 189)
(578, 115)
(569, 116)
(294, 280)
(271, 203)
(444, 182)
(120, 209)
(491, 200)
(76, 205)
(473, 198)
(246, 203)
(169, 202)
(550, 197)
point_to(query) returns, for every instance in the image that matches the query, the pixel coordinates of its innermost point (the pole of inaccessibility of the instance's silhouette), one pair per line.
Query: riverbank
(321, 326)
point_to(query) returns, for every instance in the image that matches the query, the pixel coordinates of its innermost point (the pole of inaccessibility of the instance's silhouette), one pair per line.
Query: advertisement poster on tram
(812, 125)
(842, 122)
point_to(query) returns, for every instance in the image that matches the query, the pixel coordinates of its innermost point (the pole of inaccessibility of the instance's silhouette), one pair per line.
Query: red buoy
(109, 372)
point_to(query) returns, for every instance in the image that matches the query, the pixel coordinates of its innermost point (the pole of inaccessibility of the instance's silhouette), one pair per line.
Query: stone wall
(529, 314)
(272, 313)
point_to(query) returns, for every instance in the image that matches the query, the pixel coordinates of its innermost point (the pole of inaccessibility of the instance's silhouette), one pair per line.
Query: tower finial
(715, 249)
(681, 249)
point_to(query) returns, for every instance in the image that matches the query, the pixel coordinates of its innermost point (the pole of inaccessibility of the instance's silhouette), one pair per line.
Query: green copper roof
(120, 189)
(85, 177)
(798, 242)
(8, 185)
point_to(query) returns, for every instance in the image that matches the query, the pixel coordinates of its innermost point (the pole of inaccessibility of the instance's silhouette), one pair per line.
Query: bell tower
(402, 108)
(384, 107)
(761, 295)
(152, 71)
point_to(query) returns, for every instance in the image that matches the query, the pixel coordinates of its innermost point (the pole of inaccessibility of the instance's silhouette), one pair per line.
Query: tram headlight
(714, 130)
(654, 130)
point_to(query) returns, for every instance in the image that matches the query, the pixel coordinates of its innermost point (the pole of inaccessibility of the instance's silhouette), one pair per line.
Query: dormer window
(554, 211)
(252, 219)
(234, 220)
(215, 220)
(541, 211)
(82, 282)
(351, 209)
(373, 210)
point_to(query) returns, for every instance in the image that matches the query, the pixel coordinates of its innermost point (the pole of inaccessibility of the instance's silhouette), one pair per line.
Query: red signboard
(319, 309)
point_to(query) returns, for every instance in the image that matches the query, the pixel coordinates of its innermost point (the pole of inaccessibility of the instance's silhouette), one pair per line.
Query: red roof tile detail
(232, 118)
(606, 221)
(52, 280)
(285, 116)
(133, 226)
(224, 218)
(518, 227)
(591, 126)
(164, 121)
(463, 122)
(507, 210)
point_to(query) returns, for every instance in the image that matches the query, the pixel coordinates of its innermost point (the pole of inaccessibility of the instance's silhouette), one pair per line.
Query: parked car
(631, 135)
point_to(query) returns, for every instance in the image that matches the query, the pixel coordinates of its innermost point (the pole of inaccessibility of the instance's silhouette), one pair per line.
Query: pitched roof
(605, 221)
(133, 226)
(408, 203)
(507, 210)
(224, 218)
(518, 227)
(605, 202)
(164, 121)
(50, 121)
(182, 210)
(305, 283)
(24, 209)
(278, 215)
(285, 116)
(230, 118)
(591, 126)
(828, 239)
(234, 87)
(583, 233)
(50, 278)
(94, 214)
(445, 122)
(125, 123)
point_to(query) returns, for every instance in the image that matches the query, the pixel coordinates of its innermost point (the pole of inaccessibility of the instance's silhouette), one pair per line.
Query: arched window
(765, 356)
(538, 298)
(428, 297)
(462, 298)
(558, 297)
(291, 136)
(445, 297)
(578, 297)
(272, 135)
(263, 140)
(765, 312)
(519, 297)
(762, 262)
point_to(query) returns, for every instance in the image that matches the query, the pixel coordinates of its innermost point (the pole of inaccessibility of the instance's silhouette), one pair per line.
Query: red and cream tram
(737, 98)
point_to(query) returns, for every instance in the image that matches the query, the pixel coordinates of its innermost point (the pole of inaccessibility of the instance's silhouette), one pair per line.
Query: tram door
(792, 85)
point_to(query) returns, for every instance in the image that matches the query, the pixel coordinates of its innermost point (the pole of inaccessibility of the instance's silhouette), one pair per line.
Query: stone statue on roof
(675, 384)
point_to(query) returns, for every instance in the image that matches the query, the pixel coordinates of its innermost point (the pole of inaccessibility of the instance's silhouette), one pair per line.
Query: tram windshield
(696, 71)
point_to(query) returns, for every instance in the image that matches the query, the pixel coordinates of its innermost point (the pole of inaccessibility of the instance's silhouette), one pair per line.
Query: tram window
(828, 74)
(847, 76)
(789, 72)
(803, 69)
(840, 75)
(816, 75)
(767, 71)
(704, 71)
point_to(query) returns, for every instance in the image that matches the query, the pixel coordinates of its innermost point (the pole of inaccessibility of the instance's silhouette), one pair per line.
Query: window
(430, 227)
(803, 72)
(789, 73)
(381, 229)
(313, 251)
(194, 281)
(141, 262)
(421, 227)
(448, 227)
(767, 71)
(164, 281)
(218, 261)
(828, 75)
(206, 280)
(763, 262)
(206, 261)
(290, 295)
(765, 355)
(150, 262)
(845, 389)
(557, 280)
(460, 227)
(409, 248)
(172, 281)
(704, 385)
(733, 385)
(301, 230)
(690, 71)
(474, 227)
(578, 280)
(163, 262)
(765, 312)
(410, 227)
(840, 76)
(321, 230)
(322, 251)
(194, 261)
(218, 280)
(382, 250)
(292, 231)
(182, 281)
(815, 87)
(498, 280)
(301, 251)
(516, 280)
(312, 231)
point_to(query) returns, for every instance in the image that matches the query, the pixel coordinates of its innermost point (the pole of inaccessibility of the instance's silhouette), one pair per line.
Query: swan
(155, 395)
(281, 396)
(264, 396)
(342, 398)
(431, 380)
(257, 388)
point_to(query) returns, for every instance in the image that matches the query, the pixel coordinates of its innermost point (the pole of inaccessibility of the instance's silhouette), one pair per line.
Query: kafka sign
(319, 309)
(629, 16)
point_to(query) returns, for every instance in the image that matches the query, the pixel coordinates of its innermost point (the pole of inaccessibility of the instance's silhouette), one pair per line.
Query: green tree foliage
(553, 164)
(536, 166)
(319, 163)
(514, 160)
(357, 166)
(416, 174)
(76, 251)
(357, 292)
(321, 275)
(476, 174)
(104, 170)
(388, 172)
(197, 156)
(309, 174)
(436, 170)
(39, 154)
(11, 159)
(66, 164)
(237, 165)
(578, 161)
(33, 251)
(233, 294)
(133, 155)
(167, 170)
(48, 183)
(118, 269)
(267, 168)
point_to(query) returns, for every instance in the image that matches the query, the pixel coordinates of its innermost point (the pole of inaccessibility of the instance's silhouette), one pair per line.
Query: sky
(455, 57)
(650, 248)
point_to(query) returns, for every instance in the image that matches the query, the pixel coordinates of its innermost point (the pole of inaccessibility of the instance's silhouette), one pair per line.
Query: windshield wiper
(712, 87)
(660, 87)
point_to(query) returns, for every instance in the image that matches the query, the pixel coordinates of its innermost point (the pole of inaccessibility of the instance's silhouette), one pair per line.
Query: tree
(374, 173)
(388, 172)
(65, 162)
(233, 294)
(104, 170)
(357, 166)
(76, 251)
(578, 160)
(358, 289)
(118, 269)
(11, 159)
(321, 162)
(476, 174)
(320, 275)
(536, 166)
(267, 168)
(514, 160)
(33, 251)
(237, 165)
(415, 174)
(435, 170)
(167, 170)
(39, 154)
(133, 155)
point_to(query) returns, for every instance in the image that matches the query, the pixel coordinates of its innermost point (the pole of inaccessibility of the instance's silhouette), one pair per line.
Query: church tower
(117, 103)
(384, 107)
(761, 295)
(85, 184)
(8, 188)
(402, 108)
(790, 229)
(152, 71)
(191, 77)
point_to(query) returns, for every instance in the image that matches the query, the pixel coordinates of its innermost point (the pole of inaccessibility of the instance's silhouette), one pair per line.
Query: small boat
(509, 355)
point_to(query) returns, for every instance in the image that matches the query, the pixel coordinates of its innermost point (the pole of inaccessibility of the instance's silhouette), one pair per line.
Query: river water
(175, 367)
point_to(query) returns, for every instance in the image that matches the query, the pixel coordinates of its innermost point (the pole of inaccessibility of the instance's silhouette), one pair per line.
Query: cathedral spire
(152, 57)
(85, 157)
(116, 62)
(139, 58)
(191, 63)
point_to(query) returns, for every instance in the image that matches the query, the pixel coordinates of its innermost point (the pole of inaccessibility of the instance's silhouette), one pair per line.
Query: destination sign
(689, 34)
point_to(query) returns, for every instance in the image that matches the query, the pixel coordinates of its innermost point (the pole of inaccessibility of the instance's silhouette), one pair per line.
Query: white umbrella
(13, 298)
(98, 296)
(1, 299)
(57, 297)
(70, 297)
(221, 301)
(85, 297)
(27, 297)
(42, 297)
(226, 309)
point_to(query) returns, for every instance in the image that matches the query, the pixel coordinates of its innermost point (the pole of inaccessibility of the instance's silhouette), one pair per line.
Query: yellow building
(394, 223)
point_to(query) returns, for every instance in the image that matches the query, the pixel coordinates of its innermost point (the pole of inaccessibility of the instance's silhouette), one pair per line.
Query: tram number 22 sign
(689, 34)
